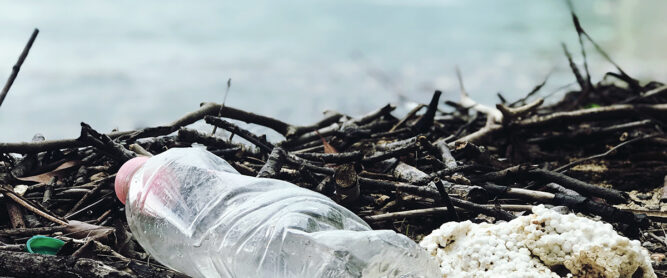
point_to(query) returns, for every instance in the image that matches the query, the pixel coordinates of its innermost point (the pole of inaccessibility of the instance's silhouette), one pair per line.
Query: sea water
(128, 64)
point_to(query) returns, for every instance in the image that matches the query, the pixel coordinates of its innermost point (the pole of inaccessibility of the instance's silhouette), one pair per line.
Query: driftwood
(599, 152)
(33, 265)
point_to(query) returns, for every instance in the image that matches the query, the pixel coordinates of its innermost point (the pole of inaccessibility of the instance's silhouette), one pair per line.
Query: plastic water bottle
(193, 212)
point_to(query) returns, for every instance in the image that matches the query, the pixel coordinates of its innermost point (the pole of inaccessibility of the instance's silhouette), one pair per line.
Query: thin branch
(426, 121)
(566, 167)
(205, 109)
(31, 231)
(574, 68)
(245, 134)
(432, 211)
(229, 85)
(30, 207)
(408, 116)
(599, 113)
(536, 89)
(17, 66)
(580, 32)
(444, 198)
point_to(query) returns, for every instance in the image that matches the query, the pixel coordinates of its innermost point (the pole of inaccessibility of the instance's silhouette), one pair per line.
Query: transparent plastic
(193, 212)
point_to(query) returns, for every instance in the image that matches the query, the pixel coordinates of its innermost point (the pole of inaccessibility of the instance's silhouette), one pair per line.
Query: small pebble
(20, 189)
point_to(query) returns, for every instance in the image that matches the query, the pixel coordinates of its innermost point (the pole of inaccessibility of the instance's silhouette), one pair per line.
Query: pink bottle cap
(124, 176)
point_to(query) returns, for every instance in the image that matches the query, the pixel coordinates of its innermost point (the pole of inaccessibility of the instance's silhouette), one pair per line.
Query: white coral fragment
(537, 245)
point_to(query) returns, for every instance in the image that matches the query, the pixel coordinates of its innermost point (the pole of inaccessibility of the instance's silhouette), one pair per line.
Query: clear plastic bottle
(193, 212)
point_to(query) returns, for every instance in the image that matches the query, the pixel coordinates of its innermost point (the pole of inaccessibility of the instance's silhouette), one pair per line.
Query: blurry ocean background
(129, 64)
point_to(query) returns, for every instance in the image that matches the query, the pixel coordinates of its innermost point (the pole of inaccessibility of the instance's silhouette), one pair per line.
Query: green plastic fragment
(44, 245)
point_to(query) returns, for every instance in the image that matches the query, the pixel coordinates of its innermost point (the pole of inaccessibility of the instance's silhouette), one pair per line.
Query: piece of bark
(273, 164)
(386, 146)
(48, 192)
(15, 213)
(19, 264)
(347, 185)
(410, 174)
